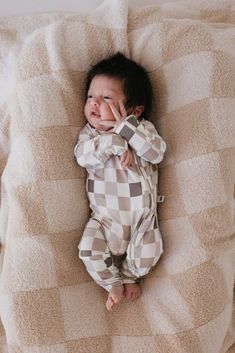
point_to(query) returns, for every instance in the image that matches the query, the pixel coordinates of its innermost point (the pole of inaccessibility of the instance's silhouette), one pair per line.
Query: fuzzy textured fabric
(48, 302)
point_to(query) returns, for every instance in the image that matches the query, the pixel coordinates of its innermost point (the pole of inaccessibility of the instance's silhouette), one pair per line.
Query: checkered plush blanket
(48, 303)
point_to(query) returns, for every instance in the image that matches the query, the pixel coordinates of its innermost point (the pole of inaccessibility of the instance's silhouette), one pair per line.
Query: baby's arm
(92, 152)
(143, 138)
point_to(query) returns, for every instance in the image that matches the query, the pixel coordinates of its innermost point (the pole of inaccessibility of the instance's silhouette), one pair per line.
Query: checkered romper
(121, 241)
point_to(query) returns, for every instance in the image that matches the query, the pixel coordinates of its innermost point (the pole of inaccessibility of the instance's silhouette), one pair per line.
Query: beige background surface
(14, 7)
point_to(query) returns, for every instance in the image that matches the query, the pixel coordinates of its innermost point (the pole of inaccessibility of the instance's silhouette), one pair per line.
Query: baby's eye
(107, 97)
(89, 96)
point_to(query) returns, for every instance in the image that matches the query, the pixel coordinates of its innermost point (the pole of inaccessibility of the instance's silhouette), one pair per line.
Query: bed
(48, 303)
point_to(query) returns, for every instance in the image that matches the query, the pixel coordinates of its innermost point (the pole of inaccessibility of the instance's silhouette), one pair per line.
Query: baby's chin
(104, 130)
(101, 128)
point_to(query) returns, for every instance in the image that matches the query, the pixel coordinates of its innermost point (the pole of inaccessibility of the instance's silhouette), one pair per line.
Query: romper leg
(143, 252)
(95, 254)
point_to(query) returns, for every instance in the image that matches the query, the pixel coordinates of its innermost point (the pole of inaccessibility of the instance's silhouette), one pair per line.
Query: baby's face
(102, 91)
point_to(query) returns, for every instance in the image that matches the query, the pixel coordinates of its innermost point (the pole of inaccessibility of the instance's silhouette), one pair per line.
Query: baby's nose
(95, 102)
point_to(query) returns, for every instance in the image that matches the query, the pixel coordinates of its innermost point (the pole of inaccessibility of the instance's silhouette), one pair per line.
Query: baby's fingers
(123, 157)
(127, 159)
(115, 112)
(122, 109)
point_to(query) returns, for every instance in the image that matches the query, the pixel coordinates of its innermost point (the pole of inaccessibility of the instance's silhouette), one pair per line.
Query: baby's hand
(118, 114)
(127, 158)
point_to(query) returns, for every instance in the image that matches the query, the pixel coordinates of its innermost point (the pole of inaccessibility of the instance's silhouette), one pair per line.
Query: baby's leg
(131, 283)
(97, 258)
(143, 252)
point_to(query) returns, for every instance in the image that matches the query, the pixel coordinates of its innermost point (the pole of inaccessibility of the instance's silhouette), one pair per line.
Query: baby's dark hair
(136, 83)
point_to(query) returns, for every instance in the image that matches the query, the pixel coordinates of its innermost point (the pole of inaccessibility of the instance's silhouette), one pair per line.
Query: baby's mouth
(96, 115)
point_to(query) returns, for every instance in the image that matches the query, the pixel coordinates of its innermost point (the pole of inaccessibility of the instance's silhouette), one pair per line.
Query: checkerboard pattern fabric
(48, 302)
(121, 198)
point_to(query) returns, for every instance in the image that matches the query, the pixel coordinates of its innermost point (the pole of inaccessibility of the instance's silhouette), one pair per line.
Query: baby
(120, 150)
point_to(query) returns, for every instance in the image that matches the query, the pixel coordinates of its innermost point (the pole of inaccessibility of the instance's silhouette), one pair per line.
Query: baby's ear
(138, 110)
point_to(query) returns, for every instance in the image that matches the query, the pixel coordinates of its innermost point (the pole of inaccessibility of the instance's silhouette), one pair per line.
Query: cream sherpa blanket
(48, 303)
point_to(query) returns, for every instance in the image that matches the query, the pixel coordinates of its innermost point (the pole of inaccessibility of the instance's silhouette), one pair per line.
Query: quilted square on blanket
(48, 303)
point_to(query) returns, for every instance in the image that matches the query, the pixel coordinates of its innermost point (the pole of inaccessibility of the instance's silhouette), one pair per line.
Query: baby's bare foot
(132, 291)
(115, 296)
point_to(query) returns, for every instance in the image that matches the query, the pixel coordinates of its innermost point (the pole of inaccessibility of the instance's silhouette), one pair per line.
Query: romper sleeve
(143, 138)
(93, 151)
